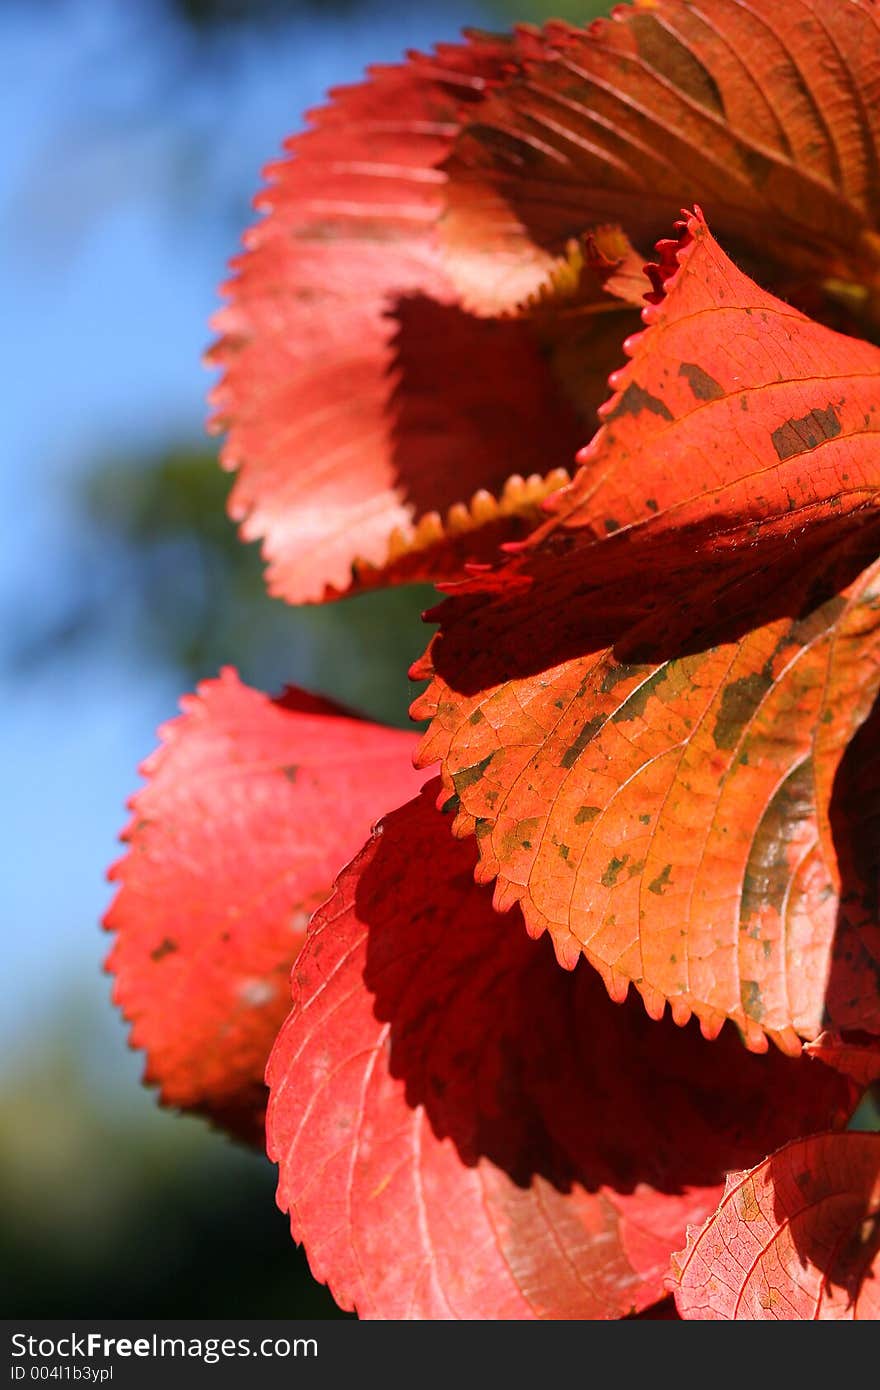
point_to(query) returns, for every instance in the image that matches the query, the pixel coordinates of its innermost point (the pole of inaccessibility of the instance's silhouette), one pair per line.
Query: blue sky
(115, 228)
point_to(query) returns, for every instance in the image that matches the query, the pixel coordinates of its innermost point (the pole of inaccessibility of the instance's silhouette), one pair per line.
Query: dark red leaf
(250, 807)
(768, 114)
(857, 1055)
(797, 1238)
(464, 1130)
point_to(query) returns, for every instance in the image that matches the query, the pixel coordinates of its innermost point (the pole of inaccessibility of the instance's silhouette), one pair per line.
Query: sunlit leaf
(371, 421)
(644, 712)
(250, 807)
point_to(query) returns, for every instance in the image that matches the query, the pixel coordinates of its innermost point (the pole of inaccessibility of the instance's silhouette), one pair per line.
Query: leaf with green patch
(702, 800)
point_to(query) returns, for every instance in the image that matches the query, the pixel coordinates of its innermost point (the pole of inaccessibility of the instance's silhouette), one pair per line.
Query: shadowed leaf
(856, 1055)
(797, 1238)
(765, 113)
(464, 1130)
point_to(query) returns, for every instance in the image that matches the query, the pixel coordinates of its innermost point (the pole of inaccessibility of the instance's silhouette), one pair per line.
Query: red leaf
(464, 1130)
(768, 114)
(797, 1238)
(738, 419)
(373, 423)
(856, 1055)
(250, 807)
(740, 436)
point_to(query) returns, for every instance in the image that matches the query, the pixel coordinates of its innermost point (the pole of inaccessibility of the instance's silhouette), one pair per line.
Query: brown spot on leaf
(469, 775)
(749, 1206)
(167, 947)
(577, 746)
(704, 386)
(634, 705)
(738, 703)
(768, 872)
(798, 436)
(658, 884)
(750, 993)
(609, 878)
(635, 399)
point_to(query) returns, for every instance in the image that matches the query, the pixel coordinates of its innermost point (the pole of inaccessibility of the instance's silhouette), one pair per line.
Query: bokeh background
(134, 132)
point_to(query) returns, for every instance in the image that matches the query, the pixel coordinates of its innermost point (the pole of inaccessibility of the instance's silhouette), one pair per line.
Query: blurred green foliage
(538, 11)
(195, 596)
(204, 15)
(112, 1209)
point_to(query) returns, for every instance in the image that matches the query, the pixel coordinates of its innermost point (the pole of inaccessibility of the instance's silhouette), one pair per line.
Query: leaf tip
(672, 255)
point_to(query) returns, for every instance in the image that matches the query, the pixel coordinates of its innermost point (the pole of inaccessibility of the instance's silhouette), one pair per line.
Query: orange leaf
(737, 419)
(797, 1238)
(664, 804)
(671, 819)
(740, 437)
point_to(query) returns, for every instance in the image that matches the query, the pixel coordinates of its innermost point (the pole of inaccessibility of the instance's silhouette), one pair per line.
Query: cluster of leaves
(651, 696)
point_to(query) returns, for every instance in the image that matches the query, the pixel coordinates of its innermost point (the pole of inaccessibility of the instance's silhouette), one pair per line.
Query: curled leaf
(373, 424)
